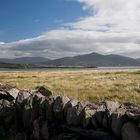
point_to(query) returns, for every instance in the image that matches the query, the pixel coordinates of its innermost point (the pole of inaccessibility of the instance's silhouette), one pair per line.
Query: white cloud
(113, 27)
(1, 43)
(116, 15)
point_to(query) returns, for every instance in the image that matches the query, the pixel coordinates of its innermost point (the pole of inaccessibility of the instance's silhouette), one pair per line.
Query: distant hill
(87, 60)
(94, 59)
(13, 66)
(25, 60)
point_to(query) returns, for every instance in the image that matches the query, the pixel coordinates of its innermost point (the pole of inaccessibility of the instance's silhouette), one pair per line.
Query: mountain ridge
(25, 60)
(95, 59)
(87, 60)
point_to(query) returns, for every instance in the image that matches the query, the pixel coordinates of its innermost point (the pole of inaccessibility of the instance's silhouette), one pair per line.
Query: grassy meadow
(91, 85)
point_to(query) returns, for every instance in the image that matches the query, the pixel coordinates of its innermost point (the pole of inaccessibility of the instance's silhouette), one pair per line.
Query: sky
(60, 28)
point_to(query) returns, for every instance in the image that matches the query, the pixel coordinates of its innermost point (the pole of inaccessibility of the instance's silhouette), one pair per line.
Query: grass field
(118, 85)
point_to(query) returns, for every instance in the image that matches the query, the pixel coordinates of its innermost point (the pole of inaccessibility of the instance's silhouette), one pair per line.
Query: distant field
(118, 85)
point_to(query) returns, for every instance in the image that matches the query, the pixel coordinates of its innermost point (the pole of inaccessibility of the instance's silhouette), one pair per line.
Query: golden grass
(91, 85)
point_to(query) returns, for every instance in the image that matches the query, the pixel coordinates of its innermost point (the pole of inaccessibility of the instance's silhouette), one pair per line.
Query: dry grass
(118, 85)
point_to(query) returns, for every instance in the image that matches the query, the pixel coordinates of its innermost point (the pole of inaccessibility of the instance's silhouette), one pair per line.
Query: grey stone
(133, 115)
(44, 91)
(2, 94)
(47, 109)
(130, 132)
(13, 92)
(27, 114)
(106, 121)
(37, 99)
(6, 96)
(87, 116)
(38, 115)
(139, 123)
(22, 109)
(4, 103)
(111, 107)
(44, 131)
(8, 92)
(100, 114)
(118, 119)
(36, 130)
(94, 122)
(2, 131)
(22, 95)
(104, 112)
(59, 105)
(21, 136)
(74, 115)
(69, 104)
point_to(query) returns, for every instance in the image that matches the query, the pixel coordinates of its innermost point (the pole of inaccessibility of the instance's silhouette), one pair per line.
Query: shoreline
(71, 68)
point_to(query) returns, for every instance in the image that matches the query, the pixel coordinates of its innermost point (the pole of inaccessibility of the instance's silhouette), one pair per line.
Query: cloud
(120, 15)
(1, 43)
(113, 27)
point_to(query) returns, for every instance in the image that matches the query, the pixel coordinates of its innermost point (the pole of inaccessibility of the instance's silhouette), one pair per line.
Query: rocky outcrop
(38, 115)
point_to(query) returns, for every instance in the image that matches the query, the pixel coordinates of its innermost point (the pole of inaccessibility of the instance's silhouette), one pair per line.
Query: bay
(72, 69)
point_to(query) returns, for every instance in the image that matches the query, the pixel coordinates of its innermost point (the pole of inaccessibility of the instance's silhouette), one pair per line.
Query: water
(48, 69)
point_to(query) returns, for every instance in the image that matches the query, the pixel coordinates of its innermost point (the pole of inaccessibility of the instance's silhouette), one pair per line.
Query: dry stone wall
(38, 115)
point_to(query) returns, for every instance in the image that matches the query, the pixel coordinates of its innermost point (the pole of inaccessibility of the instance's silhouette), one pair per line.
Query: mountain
(13, 66)
(25, 60)
(89, 60)
(94, 59)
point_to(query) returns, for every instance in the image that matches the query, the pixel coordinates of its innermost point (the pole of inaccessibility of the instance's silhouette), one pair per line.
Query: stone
(68, 105)
(6, 96)
(4, 103)
(27, 114)
(37, 99)
(44, 131)
(47, 109)
(3, 95)
(94, 122)
(22, 95)
(59, 105)
(100, 114)
(139, 123)
(89, 134)
(130, 132)
(9, 121)
(13, 92)
(36, 130)
(106, 121)
(111, 106)
(131, 106)
(44, 91)
(20, 109)
(74, 114)
(87, 117)
(5, 87)
(2, 131)
(6, 114)
(7, 92)
(104, 112)
(20, 136)
(118, 118)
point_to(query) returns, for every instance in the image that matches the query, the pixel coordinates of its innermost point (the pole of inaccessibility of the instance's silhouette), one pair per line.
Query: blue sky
(21, 19)
(60, 28)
